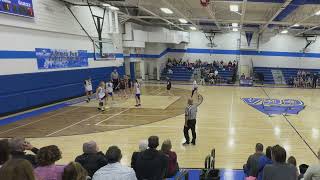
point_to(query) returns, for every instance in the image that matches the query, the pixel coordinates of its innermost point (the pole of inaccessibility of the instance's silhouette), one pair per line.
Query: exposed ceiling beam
(244, 8)
(180, 13)
(283, 6)
(135, 18)
(156, 15)
(315, 27)
(212, 15)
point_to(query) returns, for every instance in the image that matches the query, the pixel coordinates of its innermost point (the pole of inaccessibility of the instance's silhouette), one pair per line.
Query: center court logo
(275, 106)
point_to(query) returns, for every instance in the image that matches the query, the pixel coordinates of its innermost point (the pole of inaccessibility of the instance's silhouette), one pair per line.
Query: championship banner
(59, 58)
(17, 7)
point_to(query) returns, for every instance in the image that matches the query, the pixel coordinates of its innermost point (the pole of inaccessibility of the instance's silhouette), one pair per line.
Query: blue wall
(23, 91)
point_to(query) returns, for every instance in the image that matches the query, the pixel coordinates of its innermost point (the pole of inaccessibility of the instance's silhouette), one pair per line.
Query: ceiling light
(234, 8)
(235, 24)
(235, 29)
(113, 8)
(166, 10)
(296, 25)
(183, 21)
(284, 31)
(193, 28)
(317, 13)
(106, 5)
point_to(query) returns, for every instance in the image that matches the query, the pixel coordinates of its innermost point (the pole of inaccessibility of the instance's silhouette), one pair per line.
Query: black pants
(115, 84)
(191, 125)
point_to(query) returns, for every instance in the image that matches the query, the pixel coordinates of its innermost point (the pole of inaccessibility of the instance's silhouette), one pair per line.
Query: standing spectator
(173, 166)
(151, 164)
(46, 158)
(114, 170)
(263, 161)
(190, 122)
(302, 168)
(315, 79)
(18, 146)
(279, 170)
(115, 78)
(4, 151)
(74, 171)
(91, 159)
(292, 161)
(17, 169)
(313, 171)
(143, 145)
(252, 166)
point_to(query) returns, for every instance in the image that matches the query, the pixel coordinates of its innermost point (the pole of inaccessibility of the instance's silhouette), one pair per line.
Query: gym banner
(59, 58)
(17, 7)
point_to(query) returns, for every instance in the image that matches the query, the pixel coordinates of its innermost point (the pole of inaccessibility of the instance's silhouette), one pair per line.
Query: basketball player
(169, 85)
(195, 89)
(122, 87)
(128, 84)
(137, 87)
(101, 95)
(109, 88)
(88, 89)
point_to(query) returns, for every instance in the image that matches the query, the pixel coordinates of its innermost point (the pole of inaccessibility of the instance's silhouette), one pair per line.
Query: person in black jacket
(91, 159)
(18, 146)
(151, 164)
(143, 145)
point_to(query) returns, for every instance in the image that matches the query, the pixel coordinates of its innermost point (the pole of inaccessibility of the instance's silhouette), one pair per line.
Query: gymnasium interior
(253, 65)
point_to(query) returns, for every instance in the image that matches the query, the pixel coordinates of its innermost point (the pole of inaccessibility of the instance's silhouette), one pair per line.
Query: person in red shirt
(173, 166)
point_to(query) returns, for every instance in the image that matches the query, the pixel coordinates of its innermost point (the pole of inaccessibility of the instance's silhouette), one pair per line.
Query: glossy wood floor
(225, 122)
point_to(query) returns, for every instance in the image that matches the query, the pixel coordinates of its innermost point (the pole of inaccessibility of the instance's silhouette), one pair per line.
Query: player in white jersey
(110, 88)
(101, 95)
(88, 89)
(137, 88)
(195, 89)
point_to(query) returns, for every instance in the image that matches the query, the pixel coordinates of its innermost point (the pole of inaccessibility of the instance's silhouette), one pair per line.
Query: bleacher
(287, 73)
(226, 74)
(180, 73)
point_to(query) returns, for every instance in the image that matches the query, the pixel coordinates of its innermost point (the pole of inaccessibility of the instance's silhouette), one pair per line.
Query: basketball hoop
(210, 36)
(204, 3)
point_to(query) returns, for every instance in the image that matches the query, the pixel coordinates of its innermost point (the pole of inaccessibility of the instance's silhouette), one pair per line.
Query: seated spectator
(170, 71)
(252, 166)
(292, 161)
(243, 76)
(302, 168)
(46, 158)
(4, 151)
(151, 164)
(143, 145)
(91, 159)
(313, 171)
(17, 169)
(114, 170)
(216, 72)
(263, 161)
(173, 166)
(74, 171)
(279, 170)
(18, 146)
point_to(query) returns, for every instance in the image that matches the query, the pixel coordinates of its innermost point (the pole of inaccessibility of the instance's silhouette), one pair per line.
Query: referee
(190, 122)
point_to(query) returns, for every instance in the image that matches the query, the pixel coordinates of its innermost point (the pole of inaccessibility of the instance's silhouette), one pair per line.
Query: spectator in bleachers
(46, 158)
(251, 168)
(92, 159)
(279, 170)
(173, 166)
(302, 168)
(18, 146)
(151, 163)
(4, 151)
(170, 71)
(314, 80)
(263, 161)
(74, 171)
(17, 169)
(243, 76)
(143, 145)
(114, 170)
(292, 161)
(313, 171)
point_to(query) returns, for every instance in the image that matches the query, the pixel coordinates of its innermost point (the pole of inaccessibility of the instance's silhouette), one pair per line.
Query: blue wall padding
(23, 91)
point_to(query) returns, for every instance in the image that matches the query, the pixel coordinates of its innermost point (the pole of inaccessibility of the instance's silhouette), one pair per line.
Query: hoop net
(210, 36)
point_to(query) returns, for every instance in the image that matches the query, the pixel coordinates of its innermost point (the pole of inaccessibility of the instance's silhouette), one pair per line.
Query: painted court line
(33, 122)
(137, 115)
(72, 125)
(112, 116)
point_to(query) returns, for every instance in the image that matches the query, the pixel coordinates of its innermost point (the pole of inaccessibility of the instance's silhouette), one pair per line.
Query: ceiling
(253, 15)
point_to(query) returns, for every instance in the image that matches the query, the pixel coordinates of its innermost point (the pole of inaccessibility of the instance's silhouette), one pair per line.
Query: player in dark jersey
(169, 85)
(122, 87)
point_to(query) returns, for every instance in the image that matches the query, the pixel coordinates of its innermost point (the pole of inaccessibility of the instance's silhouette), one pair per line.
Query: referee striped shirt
(191, 112)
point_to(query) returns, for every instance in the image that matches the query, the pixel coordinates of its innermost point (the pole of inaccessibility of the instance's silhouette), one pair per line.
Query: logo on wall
(275, 106)
(59, 58)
